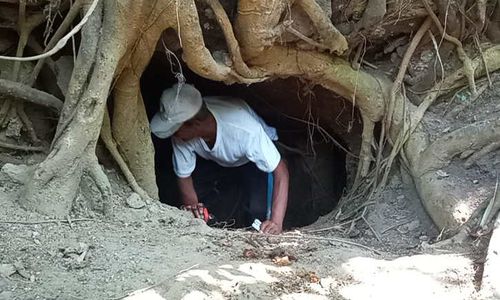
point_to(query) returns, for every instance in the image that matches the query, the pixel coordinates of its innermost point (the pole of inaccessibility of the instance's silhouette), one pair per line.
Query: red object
(206, 215)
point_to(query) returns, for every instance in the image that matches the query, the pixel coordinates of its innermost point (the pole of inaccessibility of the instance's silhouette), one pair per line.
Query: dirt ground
(159, 252)
(153, 251)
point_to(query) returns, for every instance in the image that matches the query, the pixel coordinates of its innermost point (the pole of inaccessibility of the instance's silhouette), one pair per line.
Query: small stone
(475, 181)
(400, 197)
(135, 201)
(442, 174)
(18, 173)
(423, 238)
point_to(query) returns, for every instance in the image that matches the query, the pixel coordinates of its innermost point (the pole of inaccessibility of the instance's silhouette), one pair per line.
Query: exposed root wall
(53, 185)
(256, 51)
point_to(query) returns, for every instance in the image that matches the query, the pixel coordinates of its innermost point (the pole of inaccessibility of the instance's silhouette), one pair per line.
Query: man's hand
(199, 211)
(271, 227)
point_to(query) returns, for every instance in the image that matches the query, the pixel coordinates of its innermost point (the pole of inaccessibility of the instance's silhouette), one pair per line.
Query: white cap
(178, 104)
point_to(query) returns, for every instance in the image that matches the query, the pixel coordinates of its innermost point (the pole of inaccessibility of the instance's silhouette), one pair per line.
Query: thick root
(438, 196)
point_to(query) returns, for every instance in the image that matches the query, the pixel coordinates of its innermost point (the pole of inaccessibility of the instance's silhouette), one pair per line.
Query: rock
(442, 174)
(17, 173)
(135, 201)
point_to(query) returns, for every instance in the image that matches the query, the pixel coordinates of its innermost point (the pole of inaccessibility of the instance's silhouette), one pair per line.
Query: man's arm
(280, 200)
(189, 196)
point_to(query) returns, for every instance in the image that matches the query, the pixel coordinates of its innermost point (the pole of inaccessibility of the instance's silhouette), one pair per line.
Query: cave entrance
(312, 125)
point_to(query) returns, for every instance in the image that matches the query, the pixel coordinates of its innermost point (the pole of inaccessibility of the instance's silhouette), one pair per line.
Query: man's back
(242, 136)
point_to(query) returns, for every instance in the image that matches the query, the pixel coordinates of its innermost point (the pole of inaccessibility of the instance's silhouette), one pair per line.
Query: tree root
(19, 91)
(481, 14)
(473, 137)
(396, 87)
(491, 58)
(439, 195)
(102, 183)
(68, 20)
(365, 153)
(61, 43)
(467, 63)
(27, 124)
(460, 108)
(331, 37)
(109, 142)
(53, 185)
(22, 148)
(481, 153)
(234, 49)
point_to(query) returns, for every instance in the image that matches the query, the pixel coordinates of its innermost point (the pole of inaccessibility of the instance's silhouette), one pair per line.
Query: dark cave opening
(309, 130)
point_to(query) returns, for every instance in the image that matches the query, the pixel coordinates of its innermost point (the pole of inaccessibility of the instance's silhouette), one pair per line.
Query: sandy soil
(159, 252)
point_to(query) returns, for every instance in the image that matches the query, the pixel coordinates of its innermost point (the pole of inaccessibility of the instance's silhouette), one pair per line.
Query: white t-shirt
(242, 136)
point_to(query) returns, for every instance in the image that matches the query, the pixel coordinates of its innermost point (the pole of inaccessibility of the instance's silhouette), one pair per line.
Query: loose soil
(154, 251)
(159, 252)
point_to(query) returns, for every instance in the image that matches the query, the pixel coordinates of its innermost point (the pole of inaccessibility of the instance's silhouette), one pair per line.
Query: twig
(310, 237)
(467, 63)
(372, 229)
(70, 16)
(395, 226)
(45, 221)
(334, 227)
(403, 67)
(61, 42)
(476, 39)
(330, 239)
(492, 208)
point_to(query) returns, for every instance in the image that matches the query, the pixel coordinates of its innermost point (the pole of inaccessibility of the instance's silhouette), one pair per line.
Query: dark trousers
(232, 194)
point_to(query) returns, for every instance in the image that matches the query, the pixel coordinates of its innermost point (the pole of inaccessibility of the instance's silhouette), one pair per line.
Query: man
(228, 132)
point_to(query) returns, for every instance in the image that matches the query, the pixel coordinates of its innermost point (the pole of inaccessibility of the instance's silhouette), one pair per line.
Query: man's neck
(210, 131)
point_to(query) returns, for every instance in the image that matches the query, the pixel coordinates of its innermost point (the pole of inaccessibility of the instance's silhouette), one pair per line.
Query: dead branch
(19, 91)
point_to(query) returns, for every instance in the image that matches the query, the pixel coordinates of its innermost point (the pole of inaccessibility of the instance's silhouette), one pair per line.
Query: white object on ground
(256, 224)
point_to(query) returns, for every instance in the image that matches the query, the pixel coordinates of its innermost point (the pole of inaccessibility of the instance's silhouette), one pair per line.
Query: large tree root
(440, 197)
(54, 184)
(18, 91)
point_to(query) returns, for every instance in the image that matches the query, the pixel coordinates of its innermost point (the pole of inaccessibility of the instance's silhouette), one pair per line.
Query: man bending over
(228, 132)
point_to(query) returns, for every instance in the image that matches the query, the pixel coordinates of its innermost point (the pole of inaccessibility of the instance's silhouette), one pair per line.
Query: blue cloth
(270, 187)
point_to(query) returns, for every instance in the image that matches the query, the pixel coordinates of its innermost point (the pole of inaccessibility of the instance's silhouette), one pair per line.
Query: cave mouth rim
(348, 170)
